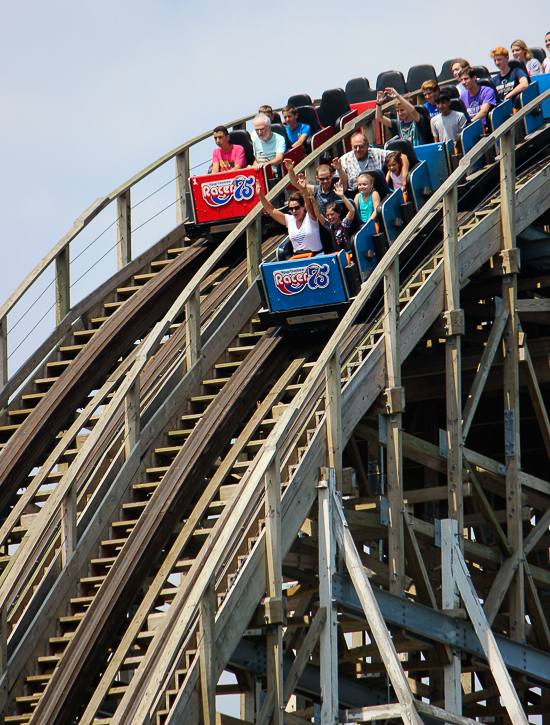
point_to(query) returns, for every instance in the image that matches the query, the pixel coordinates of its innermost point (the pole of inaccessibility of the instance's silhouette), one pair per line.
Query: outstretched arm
(268, 206)
(338, 189)
(289, 165)
(375, 202)
(308, 199)
(380, 97)
(392, 93)
(405, 170)
(337, 166)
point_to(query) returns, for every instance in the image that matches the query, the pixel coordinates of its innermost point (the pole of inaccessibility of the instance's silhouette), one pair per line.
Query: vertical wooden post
(182, 184)
(450, 600)
(131, 418)
(333, 410)
(454, 329)
(3, 351)
(193, 328)
(511, 265)
(253, 250)
(311, 173)
(62, 285)
(394, 409)
(3, 641)
(124, 229)
(206, 655)
(327, 565)
(274, 603)
(68, 525)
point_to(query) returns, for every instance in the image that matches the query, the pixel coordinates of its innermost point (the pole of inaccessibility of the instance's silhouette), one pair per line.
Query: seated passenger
(323, 192)
(479, 100)
(398, 168)
(361, 158)
(457, 66)
(302, 224)
(509, 81)
(448, 124)
(269, 147)
(520, 51)
(429, 90)
(368, 198)
(338, 224)
(407, 125)
(297, 132)
(228, 156)
(546, 64)
(273, 116)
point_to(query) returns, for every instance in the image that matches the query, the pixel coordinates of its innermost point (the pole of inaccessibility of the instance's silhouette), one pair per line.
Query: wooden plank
(206, 656)
(374, 618)
(253, 249)
(68, 526)
(304, 653)
(488, 512)
(450, 601)
(3, 351)
(535, 610)
(62, 285)
(487, 639)
(333, 413)
(396, 536)
(443, 715)
(375, 712)
(124, 229)
(484, 368)
(327, 568)
(132, 418)
(193, 328)
(536, 305)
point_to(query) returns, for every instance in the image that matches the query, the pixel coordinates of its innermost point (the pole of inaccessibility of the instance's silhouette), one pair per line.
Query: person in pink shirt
(227, 156)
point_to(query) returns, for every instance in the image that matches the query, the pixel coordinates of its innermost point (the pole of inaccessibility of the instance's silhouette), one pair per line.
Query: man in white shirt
(269, 147)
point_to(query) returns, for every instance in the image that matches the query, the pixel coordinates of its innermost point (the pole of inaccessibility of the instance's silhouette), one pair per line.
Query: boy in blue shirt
(297, 132)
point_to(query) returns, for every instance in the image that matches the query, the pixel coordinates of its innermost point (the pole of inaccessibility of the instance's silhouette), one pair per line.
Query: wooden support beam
(537, 305)
(512, 450)
(374, 618)
(62, 285)
(450, 600)
(274, 603)
(394, 448)
(535, 611)
(124, 229)
(182, 184)
(68, 525)
(359, 467)
(3, 641)
(3, 351)
(333, 411)
(327, 568)
(417, 567)
(193, 328)
(132, 418)
(484, 368)
(206, 654)
(253, 250)
(302, 658)
(486, 638)
(536, 396)
(506, 572)
(488, 512)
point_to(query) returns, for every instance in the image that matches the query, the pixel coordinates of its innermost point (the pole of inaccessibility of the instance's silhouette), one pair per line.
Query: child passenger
(448, 124)
(397, 174)
(368, 198)
(335, 221)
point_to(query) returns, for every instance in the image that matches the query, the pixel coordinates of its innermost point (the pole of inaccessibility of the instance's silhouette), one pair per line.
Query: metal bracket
(455, 324)
(511, 261)
(443, 443)
(510, 432)
(395, 400)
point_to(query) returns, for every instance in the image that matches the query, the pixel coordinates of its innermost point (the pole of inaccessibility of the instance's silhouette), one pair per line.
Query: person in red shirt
(227, 156)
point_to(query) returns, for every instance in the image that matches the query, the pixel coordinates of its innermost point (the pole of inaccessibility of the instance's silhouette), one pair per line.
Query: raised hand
(391, 93)
(380, 96)
(338, 189)
(258, 188)
(336, 164)
(289, 164)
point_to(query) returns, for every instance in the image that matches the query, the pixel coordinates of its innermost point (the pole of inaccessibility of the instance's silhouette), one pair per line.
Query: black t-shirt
(507, 83)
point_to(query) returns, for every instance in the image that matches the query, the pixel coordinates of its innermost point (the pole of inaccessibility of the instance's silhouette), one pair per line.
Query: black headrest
(452, 89)
(391, 79)
(404, 147)
(280, 129)
(358, 90)
(307, 114)
(425, 120)
(418, 74)
(514, 63)
(457, 104)
(333, 105)
(379, 182)
(539, 54)
(242, 138)
(300, 99)
(481, 71)
(446, 74)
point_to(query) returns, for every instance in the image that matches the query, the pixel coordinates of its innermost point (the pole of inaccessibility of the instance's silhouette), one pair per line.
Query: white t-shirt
(533, 67)
(546, 65)
(448, 128)
(307, 237)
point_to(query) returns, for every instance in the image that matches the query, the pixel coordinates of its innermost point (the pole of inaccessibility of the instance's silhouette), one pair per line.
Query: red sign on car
(227, 195)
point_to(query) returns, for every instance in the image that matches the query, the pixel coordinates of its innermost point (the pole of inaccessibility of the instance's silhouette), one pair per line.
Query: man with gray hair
(361, 158)
(269, 147)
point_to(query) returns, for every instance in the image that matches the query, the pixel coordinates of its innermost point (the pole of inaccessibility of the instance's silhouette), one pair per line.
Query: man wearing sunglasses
(323, 191)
